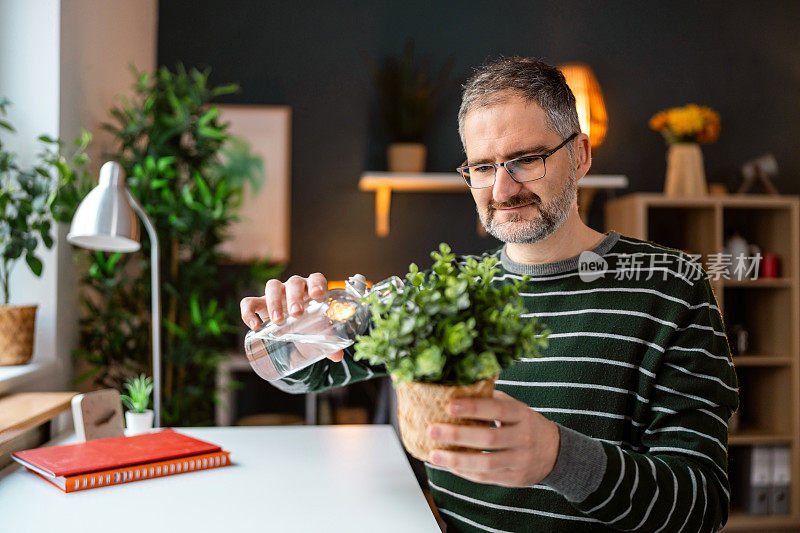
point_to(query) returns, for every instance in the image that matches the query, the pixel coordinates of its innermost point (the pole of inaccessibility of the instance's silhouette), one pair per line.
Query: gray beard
(549, 218)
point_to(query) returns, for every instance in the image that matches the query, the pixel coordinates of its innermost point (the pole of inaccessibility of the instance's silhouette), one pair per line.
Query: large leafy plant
(25, 199)
(188, 173)
(70, 166)
(451, 325)
(114, 338)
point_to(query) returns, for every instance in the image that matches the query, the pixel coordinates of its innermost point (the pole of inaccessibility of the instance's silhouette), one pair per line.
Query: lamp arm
(155, 286)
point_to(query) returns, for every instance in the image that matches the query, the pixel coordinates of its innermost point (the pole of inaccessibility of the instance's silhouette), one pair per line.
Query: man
(622, 423)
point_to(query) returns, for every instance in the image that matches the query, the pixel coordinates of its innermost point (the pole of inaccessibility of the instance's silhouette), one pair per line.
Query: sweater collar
(565, 265)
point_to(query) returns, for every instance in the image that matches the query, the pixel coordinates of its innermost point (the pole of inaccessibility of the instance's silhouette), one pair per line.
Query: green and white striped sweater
(639, 378)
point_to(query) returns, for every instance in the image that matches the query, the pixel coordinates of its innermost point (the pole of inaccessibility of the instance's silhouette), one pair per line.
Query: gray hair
(534, 80)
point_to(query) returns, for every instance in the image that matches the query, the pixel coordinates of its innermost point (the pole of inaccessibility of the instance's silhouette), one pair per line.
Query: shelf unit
(769, 373)
(384, 183)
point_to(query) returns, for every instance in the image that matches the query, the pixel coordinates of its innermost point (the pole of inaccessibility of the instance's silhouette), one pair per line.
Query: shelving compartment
(767, 228)
(691, 229)
(765, 407)
(765, 313)
(743, 497)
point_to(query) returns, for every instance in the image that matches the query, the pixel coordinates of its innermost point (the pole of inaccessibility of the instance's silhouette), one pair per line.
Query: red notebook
(121, 459)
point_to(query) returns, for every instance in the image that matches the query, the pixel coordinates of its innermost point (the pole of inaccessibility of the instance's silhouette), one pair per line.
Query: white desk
(283, 479)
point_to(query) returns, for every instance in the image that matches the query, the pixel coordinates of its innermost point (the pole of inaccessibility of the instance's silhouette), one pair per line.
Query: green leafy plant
(451, 325)
(409, 93)
(139, 390)
(71, 167)
(26, 196)
(113, 334)
(188, 173)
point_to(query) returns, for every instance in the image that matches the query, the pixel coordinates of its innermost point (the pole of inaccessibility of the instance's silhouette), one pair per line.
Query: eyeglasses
(521, 169)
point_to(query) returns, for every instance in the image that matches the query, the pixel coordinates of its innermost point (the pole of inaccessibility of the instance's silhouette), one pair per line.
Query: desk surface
(303, 478)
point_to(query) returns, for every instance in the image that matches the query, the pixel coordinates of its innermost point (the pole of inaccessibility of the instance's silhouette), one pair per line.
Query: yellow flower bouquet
(689, 124)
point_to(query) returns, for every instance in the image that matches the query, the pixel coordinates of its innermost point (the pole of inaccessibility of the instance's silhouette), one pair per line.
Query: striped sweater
(639, 378)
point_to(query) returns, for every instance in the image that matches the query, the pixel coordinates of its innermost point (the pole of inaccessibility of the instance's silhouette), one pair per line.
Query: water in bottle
(278, 350)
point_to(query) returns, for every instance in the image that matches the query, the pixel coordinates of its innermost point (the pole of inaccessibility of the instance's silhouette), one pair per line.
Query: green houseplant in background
(25, 199)
(113, 336)
(138, 416)
(447, 334)
(409, 95)
(188, 173)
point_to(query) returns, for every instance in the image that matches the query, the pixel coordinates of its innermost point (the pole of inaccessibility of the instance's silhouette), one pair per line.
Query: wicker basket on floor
(422, 404)
(17, 324)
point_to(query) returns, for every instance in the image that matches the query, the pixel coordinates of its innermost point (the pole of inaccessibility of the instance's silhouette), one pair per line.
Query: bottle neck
(356, 285)
(384, 288)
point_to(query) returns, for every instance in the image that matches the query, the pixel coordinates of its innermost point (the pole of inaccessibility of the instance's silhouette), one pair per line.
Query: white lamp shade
(105, 219)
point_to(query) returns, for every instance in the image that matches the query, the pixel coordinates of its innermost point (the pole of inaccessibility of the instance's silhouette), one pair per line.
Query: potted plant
(25, 199)
(138, 418)
(447, 334)
(684, 129)
(409, 96)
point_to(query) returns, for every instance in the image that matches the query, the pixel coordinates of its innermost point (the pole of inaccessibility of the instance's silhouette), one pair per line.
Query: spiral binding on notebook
(146, 471)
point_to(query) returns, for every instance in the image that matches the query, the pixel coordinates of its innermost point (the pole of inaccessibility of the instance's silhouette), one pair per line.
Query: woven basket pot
(16, 334)
(422, 404)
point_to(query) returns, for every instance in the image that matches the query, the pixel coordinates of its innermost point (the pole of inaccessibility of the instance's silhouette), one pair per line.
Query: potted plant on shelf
(409, 96)
(138, 418)
(685, 129)
(447, 334)
(26, 196)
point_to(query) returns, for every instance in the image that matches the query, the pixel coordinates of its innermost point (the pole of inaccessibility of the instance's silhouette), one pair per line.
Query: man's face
(519, 212)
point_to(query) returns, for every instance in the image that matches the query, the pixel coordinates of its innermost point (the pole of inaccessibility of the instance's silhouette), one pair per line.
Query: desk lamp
(105, 221)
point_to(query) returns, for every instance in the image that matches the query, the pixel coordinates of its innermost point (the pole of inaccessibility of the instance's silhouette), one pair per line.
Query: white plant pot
(138, 422)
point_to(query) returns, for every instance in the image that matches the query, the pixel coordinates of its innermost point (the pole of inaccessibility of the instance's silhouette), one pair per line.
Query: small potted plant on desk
(138, 418)
(447, 334)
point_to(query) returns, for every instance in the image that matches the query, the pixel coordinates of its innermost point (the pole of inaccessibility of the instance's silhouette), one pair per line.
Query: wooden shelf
(23, 411)
(749, 437)
(768, 309)
(731, 201)
(30, 408)
(760, 283)
(741, 521)
(452, 182)
(384, 183)
(408, 182)
(762, 360)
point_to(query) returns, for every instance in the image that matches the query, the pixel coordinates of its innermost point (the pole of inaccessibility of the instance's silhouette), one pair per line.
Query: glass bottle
(278, 350)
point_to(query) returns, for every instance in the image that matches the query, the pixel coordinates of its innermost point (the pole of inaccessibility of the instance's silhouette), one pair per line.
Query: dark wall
(740, 58)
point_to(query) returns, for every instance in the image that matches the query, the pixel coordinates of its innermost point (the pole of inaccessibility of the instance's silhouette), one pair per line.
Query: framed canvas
(263, 231)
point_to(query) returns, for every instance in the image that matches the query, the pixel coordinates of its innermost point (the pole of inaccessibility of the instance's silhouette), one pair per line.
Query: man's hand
(285, 299)
(524, 446)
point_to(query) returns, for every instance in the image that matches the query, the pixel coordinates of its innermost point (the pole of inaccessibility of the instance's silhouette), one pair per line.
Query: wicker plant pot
(17, 324)
(422, 404)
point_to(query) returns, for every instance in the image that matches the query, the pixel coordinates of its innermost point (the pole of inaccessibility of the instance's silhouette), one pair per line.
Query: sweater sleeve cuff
(580, 465)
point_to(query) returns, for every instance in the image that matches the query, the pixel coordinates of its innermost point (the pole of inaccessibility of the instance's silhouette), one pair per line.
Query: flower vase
(686, 175)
